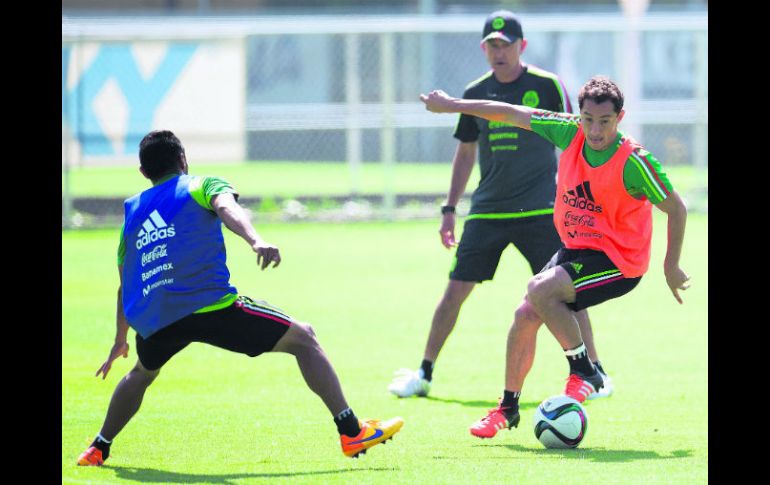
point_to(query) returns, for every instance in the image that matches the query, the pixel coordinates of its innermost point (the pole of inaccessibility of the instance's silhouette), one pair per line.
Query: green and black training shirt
(517, 167)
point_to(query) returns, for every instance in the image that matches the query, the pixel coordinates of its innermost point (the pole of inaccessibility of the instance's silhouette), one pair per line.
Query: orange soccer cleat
(91, 457)
(373, 432)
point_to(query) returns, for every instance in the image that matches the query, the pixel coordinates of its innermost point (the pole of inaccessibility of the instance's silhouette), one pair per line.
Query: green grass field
(289, 179)
(369, 289)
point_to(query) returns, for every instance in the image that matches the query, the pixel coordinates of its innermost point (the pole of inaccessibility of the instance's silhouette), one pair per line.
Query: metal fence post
(701, 152)
(353, 119)
(388, 135)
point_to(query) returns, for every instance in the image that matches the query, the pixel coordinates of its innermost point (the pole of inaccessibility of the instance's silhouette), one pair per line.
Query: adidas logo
(581, 394)
(585, 390)
(581, 198)
(153, 229)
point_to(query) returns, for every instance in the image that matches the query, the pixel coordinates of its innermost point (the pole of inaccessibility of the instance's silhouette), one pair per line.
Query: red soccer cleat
(579, 387)
(494, 421)
(91, 457)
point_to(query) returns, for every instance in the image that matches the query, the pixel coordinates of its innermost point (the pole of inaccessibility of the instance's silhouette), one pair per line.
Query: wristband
(447, 208)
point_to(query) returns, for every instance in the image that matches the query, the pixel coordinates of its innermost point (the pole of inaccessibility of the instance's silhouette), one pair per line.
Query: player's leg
(301, 342)
(537, 240)
(520, 354)
(549, 292)
(445, 316)
(573, 281)
(254, 327)
(129, 393)
(127, 399)
(356, 436)
(476, 260)
(520, 346)
(586, 330)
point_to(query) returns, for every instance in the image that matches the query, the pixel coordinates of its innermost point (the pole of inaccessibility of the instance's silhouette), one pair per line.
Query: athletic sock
(427, 370)
(102, 445)
(510, 403)
(347, 423)
(598, 365)
(579, 363)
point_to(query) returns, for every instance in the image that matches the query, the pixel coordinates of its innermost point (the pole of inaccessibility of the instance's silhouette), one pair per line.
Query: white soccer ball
(560, 422)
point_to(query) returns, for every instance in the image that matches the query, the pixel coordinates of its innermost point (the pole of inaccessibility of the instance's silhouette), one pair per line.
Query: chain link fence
(344, 90)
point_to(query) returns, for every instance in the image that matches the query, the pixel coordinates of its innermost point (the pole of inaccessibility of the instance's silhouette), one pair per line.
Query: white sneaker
(606, 389)
(408, 383)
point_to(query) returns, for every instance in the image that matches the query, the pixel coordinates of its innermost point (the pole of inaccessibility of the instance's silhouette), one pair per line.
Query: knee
(526, 317)
(538, 292)
(143, 376)
(307, 331)
(304, 336)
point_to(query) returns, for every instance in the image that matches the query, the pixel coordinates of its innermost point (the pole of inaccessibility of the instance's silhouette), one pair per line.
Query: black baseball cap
(502, 24)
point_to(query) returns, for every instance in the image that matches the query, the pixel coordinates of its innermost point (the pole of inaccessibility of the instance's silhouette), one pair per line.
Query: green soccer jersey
(202, 190)
(643, 175)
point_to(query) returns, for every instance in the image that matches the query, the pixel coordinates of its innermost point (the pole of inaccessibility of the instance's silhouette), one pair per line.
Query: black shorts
(595, 277)
(484, 240)
(247, 327)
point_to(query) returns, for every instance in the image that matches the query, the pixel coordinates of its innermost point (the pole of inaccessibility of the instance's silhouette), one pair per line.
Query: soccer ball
(560, 422)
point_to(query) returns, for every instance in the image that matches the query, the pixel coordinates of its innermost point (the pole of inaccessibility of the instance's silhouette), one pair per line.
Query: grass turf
(369, 289)
(290, 179)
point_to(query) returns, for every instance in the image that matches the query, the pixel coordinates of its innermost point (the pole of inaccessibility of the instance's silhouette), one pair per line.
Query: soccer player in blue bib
(175, 289)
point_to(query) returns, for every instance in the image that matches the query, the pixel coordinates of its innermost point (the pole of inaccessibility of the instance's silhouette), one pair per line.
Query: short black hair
(159, 153)
(600, 89)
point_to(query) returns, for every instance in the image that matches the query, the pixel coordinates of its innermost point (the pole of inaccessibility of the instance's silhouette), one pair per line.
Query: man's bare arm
(439, 102)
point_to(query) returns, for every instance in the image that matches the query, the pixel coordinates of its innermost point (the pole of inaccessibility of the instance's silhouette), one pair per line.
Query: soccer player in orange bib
(513, 202)
(606, 187)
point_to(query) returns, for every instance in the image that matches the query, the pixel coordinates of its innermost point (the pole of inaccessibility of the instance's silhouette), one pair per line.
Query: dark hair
(600, 89)
(159, 153)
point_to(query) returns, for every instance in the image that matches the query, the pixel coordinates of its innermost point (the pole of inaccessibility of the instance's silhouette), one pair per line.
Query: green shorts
(484, 240)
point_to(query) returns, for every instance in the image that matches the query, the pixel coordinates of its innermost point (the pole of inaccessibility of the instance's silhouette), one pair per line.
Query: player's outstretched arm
(438, 101)
(676, 211)
(235, 218)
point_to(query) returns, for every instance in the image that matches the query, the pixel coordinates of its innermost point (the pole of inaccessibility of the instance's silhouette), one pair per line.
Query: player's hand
(437, 101)
(447, 230)
(120, 348)
(677, 280)
(266, 254)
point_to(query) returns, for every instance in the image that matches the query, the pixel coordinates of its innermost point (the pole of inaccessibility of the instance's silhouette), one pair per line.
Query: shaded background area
(336, 82)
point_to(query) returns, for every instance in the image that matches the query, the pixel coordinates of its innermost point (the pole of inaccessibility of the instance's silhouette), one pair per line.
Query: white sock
(576, 352)
(101, 438)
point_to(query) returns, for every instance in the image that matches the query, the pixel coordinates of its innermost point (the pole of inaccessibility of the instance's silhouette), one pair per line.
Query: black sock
(347, 423)
(102, 446)
(579, 363)
(598, 365)
(510, 403)
(427, 370)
